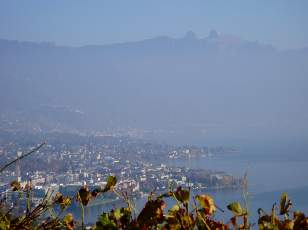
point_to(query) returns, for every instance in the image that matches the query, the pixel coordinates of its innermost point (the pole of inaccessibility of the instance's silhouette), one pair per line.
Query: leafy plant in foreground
(188, 213)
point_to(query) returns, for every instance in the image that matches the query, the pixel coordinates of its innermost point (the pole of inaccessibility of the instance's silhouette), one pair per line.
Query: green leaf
(4, 225)
(283, 201)
(174, 208)
(84, 195)
(285, 204)
(69, 221)
(117, 213)
(207, 202)
(111, 182)
(105, 222)
(15, 185)
(151, 214)
(236, 209)
(63, 201)
(182, 195)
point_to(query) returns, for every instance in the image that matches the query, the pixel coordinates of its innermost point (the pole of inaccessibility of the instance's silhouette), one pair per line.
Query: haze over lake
(134, 97)
(220, 87)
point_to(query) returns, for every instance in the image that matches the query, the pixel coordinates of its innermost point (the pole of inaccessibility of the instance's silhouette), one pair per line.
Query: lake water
(265, 172)
(272, 170)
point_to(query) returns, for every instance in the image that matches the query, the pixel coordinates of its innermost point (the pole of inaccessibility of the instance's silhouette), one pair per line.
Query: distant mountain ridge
(218, 83)
(213, 37)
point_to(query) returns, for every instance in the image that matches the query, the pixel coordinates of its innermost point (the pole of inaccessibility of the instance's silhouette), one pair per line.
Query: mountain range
(220, 86)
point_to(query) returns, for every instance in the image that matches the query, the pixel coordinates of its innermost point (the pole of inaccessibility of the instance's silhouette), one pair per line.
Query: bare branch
(22, 156)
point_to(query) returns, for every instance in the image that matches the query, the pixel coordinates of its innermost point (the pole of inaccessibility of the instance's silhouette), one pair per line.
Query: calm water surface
(271, 171)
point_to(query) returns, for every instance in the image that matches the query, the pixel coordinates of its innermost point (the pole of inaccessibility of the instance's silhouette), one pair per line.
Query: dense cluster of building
(140, 167)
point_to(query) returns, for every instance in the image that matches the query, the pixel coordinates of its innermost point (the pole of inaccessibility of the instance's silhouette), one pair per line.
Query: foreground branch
(22, 156)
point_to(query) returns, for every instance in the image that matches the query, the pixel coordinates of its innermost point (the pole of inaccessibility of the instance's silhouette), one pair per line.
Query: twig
(22, 156)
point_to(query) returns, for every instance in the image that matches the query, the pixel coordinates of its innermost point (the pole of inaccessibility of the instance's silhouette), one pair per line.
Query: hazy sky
(80, 22)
